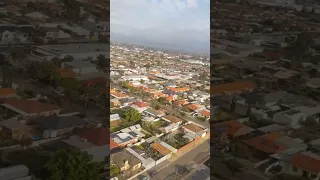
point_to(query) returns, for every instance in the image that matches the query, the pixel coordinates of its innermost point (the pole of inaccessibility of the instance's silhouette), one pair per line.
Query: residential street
(220, 170)
(199, 154)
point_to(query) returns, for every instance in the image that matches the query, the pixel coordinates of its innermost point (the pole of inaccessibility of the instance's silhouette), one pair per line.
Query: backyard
(175, 140)
(145, 147)
(154, 127)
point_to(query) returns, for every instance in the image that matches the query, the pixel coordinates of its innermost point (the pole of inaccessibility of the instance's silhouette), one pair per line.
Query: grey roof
(80, 64)
(13, 172)
(119, 158)
(56, 122)
(79, 143)
(272, 128)
(12, 124)
(99, 153)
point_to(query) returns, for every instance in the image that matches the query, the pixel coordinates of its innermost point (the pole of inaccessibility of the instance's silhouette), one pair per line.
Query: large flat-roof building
(78, 51)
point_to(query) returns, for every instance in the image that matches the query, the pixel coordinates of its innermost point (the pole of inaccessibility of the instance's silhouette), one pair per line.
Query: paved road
(197, 155)
(220, 170)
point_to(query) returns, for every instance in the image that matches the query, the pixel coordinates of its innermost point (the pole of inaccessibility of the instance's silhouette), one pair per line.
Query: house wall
(192, 144)
(296, 171)
(85, 70)
(163, 158)
(49, 113)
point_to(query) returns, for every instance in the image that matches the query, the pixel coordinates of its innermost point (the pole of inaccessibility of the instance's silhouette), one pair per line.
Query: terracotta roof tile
(193, 107)
(113, 144)
(161, 149)
(7, 91)
(172, 119)
(30, 106)
(141, 104)
(194, 128)
(306, 161)
(205, 112)
(99, 136)
(231, 87)
(267, 143)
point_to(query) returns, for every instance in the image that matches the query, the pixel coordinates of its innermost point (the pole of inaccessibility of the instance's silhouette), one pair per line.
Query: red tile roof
(267, 143)
(141, 104)
(98, 136)
(30, 106)
(172, 119)
(307, 162)
(229, 127)
(161, 149)
(205, 113)
(232, 87)
(193, 107)
(113, 144)
(7, 91)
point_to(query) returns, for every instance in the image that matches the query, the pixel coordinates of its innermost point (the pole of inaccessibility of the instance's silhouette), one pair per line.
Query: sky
(169, 24)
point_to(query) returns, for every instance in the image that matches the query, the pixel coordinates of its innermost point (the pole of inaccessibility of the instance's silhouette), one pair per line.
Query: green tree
(114, 170)
(132, 115)
(72, 164)
(102, 62)
(72, 88)
(157, 107)
(162, 100)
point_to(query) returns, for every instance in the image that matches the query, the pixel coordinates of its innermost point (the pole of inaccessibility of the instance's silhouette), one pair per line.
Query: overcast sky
(180, 24)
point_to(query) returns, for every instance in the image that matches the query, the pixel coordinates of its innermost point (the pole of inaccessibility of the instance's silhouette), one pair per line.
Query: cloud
(161, 20)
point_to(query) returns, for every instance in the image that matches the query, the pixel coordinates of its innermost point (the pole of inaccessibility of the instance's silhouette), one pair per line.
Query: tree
(114, 170)
(141, 81)
(72, 88)
(132, 115)
(102, 62)
(73, 164)
(26, 142)
(157, 107)
(162, 100)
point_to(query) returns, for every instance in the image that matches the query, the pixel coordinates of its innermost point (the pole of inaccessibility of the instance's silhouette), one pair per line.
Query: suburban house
(305, 164)
(127, 136)
(125, 161)
(140, 106)
(172, 119)
(55, 126)
(94, 141)
(232, 88)
(14, 106)
(118, 95)
(81, 67)
(232, 128)
(7, 93)
(12, 128)
(175, 122)
(194, 130)
(261, 147)
(152, 114)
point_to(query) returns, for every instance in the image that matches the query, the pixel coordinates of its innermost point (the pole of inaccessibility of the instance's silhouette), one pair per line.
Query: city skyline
(160, 29)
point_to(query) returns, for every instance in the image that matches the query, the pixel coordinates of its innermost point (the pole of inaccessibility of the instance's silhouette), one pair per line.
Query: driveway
(168, 169)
